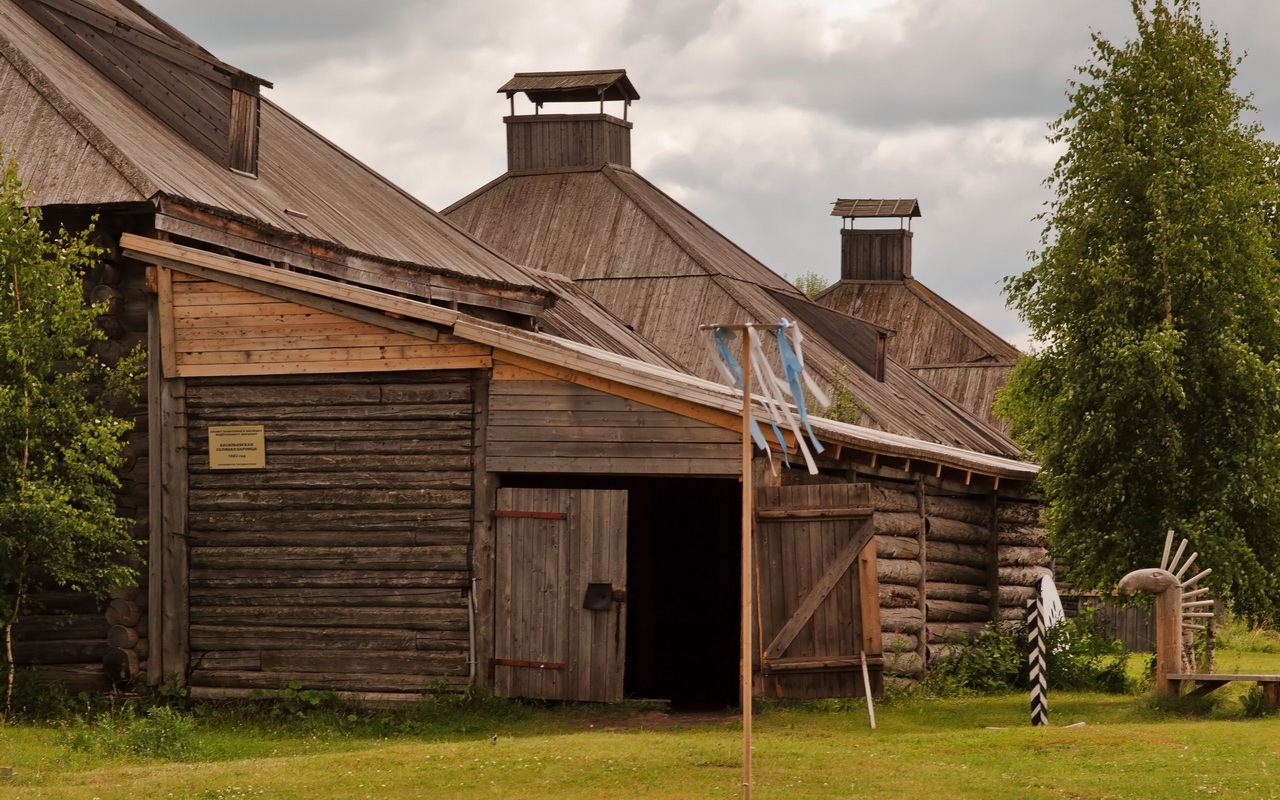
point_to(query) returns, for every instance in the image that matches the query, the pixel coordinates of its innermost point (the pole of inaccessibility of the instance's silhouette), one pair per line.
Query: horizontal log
(905, 664)
(446, 532)
(379, 463)
(122, 636)
(227, 659)
(362, 597)
(969, 555)
(950, 530)
(1013, 614)
(1018, 513)
(1016, 595)
(316, 499)
(435, 428)
(621, 464)
(75, 677)
(901, 620)
(897, 547)
(955, 611)
(897, 524)
(441, 619)
(447, 557)
(941, 572)
(961, 509)
(382, 519)
(356, 415)
(421, 380)
(1021, 536)
(1023, 576)
(1024, 557)
(945, 652)
(64, 602)
(58, 627)
(360, 682)
(123, 612)
(75, 651)
(213, 637)
(888, 499)
(423, 662)
(897, 643)
(121, 666)
(892, 596)
(270, 480)
(335, 578)
(898, 571)
(952, 632)
(963, 592)
(597, 418)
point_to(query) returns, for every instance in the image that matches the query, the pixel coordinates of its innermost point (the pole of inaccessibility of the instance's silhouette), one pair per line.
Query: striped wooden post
(1035, 658)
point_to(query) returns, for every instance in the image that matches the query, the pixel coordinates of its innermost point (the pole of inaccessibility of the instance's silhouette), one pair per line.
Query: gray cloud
(756, 113)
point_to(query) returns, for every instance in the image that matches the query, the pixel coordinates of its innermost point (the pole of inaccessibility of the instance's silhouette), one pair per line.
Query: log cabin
(380, 457)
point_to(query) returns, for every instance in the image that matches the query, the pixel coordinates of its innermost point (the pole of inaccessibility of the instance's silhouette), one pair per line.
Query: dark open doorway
(683, 559)
(683, 595)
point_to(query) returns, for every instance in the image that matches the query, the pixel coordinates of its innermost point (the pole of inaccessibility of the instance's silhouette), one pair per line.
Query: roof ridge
(963, 321)
(133, 174)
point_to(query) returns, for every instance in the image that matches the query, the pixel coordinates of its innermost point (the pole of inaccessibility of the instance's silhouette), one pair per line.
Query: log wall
(948, 565)
(343, 563)
(70, 637)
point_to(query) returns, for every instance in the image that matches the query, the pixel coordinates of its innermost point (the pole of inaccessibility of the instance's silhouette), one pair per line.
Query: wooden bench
(1206, 682)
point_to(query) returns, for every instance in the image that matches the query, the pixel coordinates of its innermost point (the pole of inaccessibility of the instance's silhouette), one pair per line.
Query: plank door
(561, 580)
(819, 606)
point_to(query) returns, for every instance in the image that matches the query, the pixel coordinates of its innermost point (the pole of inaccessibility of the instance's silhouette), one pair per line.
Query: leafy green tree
(811, 284)
(59, 443)
(1153, 398)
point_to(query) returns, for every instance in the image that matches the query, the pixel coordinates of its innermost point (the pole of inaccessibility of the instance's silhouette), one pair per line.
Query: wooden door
(561, 581)
(819, 605)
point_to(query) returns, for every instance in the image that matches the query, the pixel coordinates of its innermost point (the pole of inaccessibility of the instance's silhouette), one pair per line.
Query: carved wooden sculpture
(1174, 602)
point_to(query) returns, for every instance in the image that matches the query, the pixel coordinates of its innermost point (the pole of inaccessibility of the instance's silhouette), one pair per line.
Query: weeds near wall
(1079, 657)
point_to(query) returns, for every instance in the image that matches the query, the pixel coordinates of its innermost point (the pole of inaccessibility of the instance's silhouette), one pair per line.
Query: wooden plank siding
(345, 562)
(543, 425)
(814, 624)
(223, 330)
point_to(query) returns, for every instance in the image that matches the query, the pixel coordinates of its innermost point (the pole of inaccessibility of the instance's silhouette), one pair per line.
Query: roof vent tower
(876, 254)
(549, 141)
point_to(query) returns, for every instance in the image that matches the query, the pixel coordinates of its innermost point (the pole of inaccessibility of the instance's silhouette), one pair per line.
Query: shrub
(1078, 657)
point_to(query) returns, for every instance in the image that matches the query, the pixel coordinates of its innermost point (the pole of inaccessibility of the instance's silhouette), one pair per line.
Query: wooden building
(941, 344)
(377, 456)
(583, 212)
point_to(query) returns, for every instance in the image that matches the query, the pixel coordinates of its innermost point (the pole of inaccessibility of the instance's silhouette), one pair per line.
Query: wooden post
(747, 566)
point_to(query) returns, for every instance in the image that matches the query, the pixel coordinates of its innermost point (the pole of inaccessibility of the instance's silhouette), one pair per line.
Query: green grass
(934, 749)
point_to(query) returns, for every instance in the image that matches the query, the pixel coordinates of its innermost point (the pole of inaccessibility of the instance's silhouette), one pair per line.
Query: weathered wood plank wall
(545, 425)
(344, 563)
(222, 330)
(550, 141)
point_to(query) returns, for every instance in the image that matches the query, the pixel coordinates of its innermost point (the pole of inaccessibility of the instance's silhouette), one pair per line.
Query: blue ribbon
(792, 368)
(723, 337)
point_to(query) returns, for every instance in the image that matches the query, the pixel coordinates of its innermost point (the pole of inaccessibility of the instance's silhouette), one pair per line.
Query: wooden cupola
(549, 141)
(212, 105)
(879, 254)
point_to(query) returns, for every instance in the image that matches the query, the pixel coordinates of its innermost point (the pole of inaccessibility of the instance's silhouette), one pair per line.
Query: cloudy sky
(756, 114)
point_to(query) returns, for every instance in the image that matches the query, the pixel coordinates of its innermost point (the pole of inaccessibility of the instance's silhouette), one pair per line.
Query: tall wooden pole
(747, 518)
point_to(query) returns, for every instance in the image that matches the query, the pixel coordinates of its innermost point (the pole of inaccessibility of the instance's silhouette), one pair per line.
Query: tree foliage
(811, 284)
(59, 443)
(1153, 399)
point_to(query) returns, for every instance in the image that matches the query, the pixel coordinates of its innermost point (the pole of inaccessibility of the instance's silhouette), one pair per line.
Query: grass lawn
(933, 749)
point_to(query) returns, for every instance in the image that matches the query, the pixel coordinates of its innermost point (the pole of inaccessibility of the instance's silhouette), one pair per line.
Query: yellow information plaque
(237, 447)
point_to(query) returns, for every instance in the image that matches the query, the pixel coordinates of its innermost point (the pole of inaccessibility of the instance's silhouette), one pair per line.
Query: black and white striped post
(1035, 658)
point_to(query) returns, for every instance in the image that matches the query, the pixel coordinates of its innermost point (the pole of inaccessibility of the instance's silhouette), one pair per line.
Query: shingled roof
(83, 138)
(570, 87)
(657, 265)
(86, 138)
